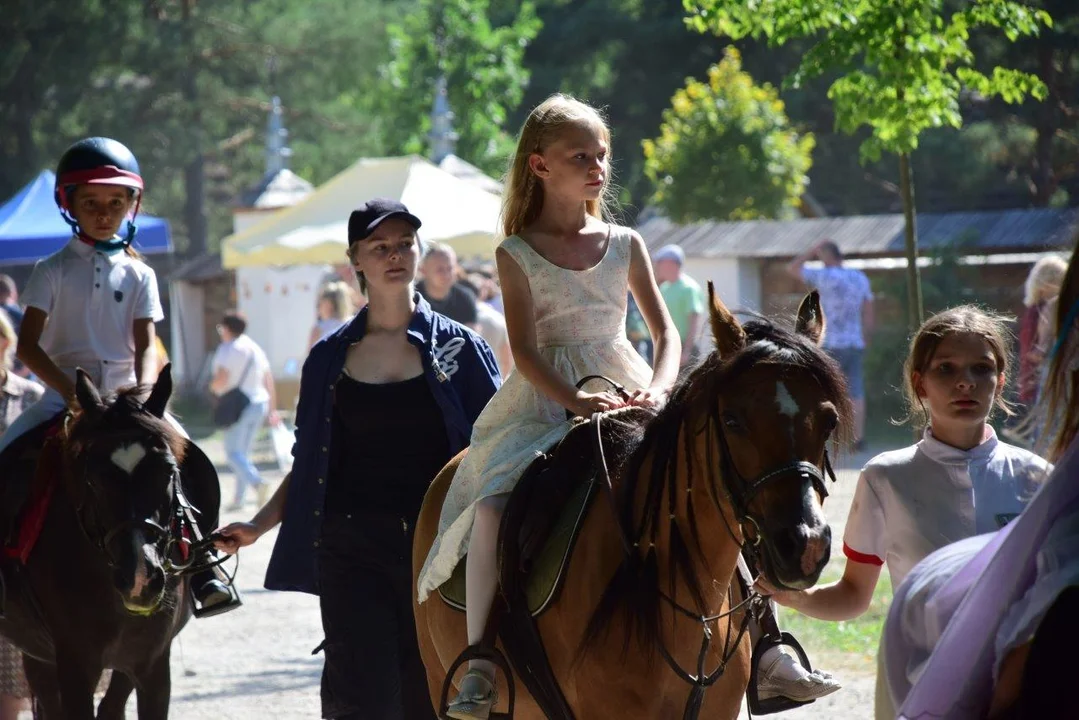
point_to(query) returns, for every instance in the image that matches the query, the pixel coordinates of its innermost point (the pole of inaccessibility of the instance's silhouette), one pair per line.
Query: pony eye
(731, 421)
(830, 422)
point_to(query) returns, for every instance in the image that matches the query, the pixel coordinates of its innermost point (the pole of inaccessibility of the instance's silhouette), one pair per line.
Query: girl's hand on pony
(652, 397)
(589, 404)
(787, 598)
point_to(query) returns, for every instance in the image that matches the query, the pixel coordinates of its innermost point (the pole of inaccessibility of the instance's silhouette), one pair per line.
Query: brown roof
(870, 235)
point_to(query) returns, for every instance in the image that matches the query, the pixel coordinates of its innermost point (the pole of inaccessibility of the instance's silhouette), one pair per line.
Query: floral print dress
(580, 329)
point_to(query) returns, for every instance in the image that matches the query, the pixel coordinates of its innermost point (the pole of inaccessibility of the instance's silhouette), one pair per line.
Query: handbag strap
(250, 362)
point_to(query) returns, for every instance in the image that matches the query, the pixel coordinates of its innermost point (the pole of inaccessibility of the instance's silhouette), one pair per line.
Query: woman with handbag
(245, 398)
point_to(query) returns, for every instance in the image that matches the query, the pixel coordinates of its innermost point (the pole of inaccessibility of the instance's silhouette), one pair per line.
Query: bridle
(754, 602)
(180, 555)
(799, 469)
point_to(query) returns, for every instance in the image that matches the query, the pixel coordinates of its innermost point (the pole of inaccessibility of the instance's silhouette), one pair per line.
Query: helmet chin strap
(109, 247)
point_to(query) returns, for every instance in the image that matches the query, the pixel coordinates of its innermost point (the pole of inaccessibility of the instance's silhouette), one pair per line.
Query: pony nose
(123, 581)
(812, 546)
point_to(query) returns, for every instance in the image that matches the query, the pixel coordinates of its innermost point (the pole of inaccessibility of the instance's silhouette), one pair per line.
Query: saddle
(26, 487)
(540, 526)
(547, 508)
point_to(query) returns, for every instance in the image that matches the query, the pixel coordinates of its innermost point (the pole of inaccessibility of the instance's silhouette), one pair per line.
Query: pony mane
(123, 412)
(634, 589)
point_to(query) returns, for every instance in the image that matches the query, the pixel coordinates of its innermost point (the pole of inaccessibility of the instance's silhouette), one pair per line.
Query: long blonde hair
(1044, 280)
(338, 295)
(1060, 395)
(522, 199)
(7, 331)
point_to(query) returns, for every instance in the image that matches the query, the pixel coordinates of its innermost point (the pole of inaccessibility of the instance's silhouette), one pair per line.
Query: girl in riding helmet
(93, 304)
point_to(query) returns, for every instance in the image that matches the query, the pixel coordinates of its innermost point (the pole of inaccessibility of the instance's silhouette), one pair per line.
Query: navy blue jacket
(462, 374)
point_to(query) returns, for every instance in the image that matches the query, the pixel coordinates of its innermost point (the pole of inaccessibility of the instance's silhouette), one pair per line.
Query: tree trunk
(194, 171)
(1047, 123)
(910, 231)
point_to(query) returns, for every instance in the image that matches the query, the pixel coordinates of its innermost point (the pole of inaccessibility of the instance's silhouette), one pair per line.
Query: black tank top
(388, 443)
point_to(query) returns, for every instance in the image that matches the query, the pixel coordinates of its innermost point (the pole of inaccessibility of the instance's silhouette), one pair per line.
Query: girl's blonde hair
(1044, 280)
(7, 331)
(339, 296)
(1060, 396)
(962, 320)
(522, 199)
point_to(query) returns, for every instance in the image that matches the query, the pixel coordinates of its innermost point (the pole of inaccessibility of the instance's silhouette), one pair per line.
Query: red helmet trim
(104, 175)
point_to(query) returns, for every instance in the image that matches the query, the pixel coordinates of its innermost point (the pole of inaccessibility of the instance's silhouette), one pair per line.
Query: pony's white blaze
(128, 457)
(787, 404)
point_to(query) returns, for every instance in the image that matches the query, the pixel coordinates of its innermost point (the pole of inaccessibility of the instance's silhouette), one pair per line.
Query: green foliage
(185, 83)
(726, 150)
(482, 64)
(627, 57)
(901, 65)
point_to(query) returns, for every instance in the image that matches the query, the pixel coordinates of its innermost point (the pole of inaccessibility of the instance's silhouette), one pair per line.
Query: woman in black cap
(385, 402)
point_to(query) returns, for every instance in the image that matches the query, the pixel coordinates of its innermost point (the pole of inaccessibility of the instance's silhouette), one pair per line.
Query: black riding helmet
(97, 161)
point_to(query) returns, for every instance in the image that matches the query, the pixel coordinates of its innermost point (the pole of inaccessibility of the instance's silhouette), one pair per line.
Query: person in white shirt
(240, 363)
(984, 628)
(92, 306)
(958, 481)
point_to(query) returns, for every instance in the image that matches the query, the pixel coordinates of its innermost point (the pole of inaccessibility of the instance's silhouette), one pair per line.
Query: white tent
(314, 231)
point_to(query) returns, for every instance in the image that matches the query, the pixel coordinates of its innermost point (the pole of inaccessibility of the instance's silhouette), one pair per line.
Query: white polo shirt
(913, 501)
(234, 357)
(93, 300)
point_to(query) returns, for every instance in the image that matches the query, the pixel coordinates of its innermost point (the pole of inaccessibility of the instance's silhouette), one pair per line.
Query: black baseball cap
(363, 221)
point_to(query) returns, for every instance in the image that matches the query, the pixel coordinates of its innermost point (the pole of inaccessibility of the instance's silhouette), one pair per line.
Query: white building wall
(737, 281)
(280, 305)
(188, 352)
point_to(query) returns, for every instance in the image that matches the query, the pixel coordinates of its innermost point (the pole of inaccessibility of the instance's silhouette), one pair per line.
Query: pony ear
(159, 396)
(811, 321)
(727, 331)
(88, 396)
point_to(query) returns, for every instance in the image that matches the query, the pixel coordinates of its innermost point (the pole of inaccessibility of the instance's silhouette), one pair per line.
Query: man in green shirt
(683, 295)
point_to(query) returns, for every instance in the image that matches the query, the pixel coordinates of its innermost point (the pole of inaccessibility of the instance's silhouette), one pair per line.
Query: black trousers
(373, 669)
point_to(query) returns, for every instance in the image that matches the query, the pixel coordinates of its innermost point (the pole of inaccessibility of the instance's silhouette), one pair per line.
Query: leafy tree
(726, 150)
(593, 49)
(49, 53)
(481, 63)
(901, 67)
(187, 85)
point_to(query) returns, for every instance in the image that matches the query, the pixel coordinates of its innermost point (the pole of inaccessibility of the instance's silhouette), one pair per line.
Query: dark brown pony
(95, 592)
(736, 457)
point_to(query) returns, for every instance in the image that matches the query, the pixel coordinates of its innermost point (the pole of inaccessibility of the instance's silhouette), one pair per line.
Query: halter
(171, 540)
(754, 602)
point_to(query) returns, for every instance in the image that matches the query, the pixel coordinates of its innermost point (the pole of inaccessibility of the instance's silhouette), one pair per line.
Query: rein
(754, 602)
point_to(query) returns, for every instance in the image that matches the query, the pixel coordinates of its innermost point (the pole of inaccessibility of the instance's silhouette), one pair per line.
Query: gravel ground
(256, 663)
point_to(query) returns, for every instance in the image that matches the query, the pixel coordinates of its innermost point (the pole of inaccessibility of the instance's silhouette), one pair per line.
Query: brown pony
(735, 458)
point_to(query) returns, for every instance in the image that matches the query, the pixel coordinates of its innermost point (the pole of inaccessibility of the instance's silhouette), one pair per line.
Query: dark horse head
(121, 459)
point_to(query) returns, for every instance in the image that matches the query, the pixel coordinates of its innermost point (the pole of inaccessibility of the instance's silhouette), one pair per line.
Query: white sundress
(580, 330)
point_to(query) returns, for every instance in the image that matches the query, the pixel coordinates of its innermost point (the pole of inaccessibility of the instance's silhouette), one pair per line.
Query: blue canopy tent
(31, 227)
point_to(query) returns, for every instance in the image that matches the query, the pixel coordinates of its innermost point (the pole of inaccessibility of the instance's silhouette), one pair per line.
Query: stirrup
(779, 703)
(476, 652)
(218, 608)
